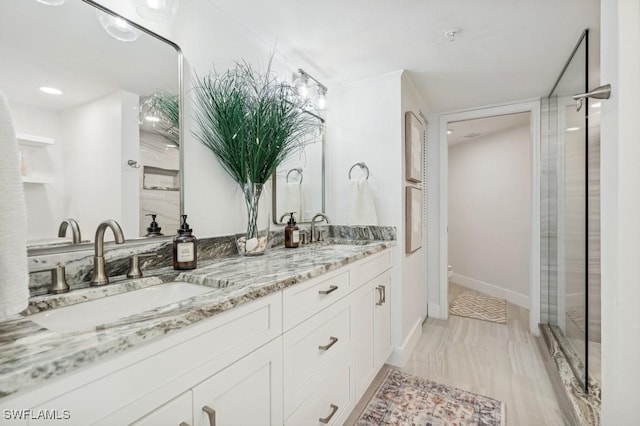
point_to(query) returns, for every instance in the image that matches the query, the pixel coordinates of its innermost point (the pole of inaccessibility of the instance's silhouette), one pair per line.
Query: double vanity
(292, 337)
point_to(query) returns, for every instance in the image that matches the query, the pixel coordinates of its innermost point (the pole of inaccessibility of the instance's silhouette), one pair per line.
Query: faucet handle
(58, 279)
(304, 236)
(134, 265)
(321, 234)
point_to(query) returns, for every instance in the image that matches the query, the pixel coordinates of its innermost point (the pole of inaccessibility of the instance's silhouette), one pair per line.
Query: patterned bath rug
(480, 306)
(403, 399)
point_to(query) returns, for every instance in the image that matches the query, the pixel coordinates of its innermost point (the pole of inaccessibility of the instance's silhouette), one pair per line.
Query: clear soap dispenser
(185, 247)
(291, 233)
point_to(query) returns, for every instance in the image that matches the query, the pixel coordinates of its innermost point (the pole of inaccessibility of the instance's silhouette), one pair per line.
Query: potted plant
(252, 122)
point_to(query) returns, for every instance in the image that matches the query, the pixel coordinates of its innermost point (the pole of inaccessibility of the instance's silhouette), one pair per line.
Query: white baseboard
(435, 312)
(492, 290)
(401, 354)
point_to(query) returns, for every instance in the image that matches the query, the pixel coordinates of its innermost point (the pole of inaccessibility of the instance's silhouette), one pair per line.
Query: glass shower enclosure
(570, 214)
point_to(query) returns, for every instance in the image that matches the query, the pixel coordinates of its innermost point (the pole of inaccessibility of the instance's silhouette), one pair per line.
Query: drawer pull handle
(384, 294)
(326, 347)
(334, 409)
(184, 424)
(211, 413)
(332, 288)
(380, 300)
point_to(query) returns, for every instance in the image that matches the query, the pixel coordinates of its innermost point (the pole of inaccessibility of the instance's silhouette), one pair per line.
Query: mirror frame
(274, 183)
(70, 247)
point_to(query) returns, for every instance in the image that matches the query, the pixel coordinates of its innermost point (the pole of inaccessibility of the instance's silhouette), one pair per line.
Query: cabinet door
(382, 320)
(362, 332)
(248, 392)
(176, 412)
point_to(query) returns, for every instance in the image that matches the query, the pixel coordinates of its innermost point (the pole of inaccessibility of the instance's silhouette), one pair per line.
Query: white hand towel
(294, 200)
(360, 208)
(14, 275)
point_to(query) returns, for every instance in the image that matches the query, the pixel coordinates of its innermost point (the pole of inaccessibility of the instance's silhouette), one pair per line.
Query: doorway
(533, 241)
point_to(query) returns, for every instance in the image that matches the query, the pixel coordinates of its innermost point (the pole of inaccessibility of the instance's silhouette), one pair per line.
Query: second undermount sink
(89, 314)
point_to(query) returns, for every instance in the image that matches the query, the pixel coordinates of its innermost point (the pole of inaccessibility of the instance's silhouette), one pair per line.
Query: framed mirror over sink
(95, 101)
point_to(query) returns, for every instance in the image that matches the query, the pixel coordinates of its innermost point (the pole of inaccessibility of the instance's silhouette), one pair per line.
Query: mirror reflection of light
(121, 23)
(449, 131)
(596, 105)
(152, 118)
(51, 90)
(52, 2)
(154, 4)
(572, 129)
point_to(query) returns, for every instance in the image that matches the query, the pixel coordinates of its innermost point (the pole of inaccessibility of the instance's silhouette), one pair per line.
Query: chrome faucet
(99, 276)
(312, 234)
(75, 230)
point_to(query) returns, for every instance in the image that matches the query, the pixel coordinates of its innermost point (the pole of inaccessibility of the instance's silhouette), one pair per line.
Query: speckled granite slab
(30, 354)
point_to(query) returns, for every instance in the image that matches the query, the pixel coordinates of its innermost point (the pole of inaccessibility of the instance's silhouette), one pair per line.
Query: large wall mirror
(106, 147)
(298, 184)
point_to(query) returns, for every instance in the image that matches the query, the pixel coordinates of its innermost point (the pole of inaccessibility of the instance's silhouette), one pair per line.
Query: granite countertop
(31, 354)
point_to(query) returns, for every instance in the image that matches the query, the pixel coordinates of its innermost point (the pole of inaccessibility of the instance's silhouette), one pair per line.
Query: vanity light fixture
(52, 2)
(51, 90)
(117, 27)
(303, 82)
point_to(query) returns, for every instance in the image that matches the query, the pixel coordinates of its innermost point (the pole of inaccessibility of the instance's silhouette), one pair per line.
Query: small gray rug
(471, 304)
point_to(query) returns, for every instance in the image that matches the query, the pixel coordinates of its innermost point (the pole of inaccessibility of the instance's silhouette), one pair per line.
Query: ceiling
(470, 130)
(505, 50)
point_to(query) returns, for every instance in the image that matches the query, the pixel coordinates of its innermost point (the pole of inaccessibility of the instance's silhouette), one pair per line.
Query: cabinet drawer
(304, 300)
(372, 266)
(332, 399)
(309, 347)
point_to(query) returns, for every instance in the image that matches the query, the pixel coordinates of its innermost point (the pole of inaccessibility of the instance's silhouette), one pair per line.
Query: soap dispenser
(291, 233)
(154, 229)
(185, 247)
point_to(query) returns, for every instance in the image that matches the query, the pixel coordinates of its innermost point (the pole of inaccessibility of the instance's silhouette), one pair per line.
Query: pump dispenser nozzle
(154, 229)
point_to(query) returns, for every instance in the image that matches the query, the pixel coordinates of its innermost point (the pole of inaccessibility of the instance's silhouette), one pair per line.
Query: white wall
(366, 123)
(620, 174)
(45, 208)
(490, 213)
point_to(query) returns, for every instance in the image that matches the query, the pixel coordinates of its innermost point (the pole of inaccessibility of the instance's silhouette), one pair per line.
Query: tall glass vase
(255, 240)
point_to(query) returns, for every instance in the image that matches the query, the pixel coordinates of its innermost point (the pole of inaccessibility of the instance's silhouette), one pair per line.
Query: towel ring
(297, 169)
(362, 165)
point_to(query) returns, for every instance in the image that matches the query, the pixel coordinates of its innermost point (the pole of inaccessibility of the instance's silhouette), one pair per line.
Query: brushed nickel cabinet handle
(184, 424)
(326, 347)
(211, 413)
(332, 288)
(379, 290)
(384, 294)
(334, 410)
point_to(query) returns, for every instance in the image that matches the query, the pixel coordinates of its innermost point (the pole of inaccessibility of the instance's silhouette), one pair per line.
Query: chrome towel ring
(298, 170)
(362, 165)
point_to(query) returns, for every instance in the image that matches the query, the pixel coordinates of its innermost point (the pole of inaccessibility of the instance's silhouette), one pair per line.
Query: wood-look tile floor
(500, 361)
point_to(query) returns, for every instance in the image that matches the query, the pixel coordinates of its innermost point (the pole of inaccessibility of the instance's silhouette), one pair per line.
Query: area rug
(480, 306)
(403, 399)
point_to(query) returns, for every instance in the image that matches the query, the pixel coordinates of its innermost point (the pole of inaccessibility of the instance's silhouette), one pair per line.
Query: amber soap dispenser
(291, 234)
(185, 247)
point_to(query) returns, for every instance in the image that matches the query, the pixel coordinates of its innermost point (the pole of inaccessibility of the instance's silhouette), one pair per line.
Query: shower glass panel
(570, 222)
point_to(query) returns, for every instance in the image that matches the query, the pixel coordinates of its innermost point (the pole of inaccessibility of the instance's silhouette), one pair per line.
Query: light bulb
(322, 99)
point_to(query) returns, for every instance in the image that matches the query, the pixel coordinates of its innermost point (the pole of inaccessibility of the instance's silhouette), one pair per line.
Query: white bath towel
(360, 208)
(14, 275)
(294, 200)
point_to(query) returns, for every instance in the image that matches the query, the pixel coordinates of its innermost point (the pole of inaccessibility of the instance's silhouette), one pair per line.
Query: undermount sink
(111, 308)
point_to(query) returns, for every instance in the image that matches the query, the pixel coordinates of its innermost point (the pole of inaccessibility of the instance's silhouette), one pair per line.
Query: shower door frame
(532, 106)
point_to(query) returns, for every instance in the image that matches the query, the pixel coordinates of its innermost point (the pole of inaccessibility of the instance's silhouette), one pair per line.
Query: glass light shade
(156, 10)
(117, 27)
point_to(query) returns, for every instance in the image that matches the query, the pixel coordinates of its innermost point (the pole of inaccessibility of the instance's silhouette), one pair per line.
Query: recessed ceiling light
(51, 90)
(596, 105)
(52, 2)
(449, 131)
(472, 135)
(572, 129)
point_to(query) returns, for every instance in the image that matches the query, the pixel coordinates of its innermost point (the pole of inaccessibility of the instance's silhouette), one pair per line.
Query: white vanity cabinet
(249, 392)
(300, 356)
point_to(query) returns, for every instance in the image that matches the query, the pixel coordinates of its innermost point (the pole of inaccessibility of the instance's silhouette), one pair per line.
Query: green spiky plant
(169, 108)
(252, 122)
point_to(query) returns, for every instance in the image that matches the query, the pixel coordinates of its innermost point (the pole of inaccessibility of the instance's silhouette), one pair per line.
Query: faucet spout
(313, 231)
(99, 274)
(75, 230)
